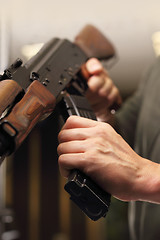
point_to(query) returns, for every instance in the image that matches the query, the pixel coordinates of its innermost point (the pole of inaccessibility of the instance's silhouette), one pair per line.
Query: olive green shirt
(138, 122)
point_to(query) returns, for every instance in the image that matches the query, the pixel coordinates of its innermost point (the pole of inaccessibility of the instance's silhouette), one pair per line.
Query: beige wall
(129, 24)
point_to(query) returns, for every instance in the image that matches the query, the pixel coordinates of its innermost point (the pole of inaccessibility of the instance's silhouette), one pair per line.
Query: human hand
(98, 151)
(102, 92)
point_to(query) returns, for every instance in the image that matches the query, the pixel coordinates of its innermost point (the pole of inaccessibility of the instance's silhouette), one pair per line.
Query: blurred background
(33, 203)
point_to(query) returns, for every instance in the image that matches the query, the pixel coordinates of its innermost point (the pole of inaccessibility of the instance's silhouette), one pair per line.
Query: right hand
(98, 151)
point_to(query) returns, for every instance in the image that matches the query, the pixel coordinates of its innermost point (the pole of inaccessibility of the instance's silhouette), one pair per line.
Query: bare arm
(96, 149)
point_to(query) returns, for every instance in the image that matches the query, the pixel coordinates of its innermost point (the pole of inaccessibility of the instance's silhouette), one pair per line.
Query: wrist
(148, 183)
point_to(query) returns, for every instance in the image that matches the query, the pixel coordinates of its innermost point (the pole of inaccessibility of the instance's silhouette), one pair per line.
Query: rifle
(29, 92)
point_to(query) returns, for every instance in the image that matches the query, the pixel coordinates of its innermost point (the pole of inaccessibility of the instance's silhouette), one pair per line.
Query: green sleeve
(127, 117)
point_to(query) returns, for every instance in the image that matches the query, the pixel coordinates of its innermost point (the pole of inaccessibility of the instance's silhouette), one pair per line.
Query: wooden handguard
(36, 102)
(94, 43)
(9, 89)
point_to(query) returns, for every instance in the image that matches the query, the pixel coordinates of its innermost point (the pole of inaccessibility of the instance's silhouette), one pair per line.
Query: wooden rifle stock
(94, 43)
(36, 103)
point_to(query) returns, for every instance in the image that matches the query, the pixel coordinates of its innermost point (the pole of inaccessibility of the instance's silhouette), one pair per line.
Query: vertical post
(4, 57)
(4, 39)
(34, 186)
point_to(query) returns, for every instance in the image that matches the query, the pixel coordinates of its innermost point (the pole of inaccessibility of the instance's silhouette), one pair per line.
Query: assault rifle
(31, 91)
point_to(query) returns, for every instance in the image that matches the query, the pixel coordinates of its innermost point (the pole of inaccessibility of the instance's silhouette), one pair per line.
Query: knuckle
(101, 129)
(60, 136)
(61, 161)
(104, 131)
(59, 149)
(68, 121)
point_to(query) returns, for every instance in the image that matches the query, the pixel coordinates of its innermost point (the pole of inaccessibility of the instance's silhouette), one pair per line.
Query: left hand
(102, 92)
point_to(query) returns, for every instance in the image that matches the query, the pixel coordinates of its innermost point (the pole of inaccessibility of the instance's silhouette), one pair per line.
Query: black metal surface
(91, 199)
(55, 65)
